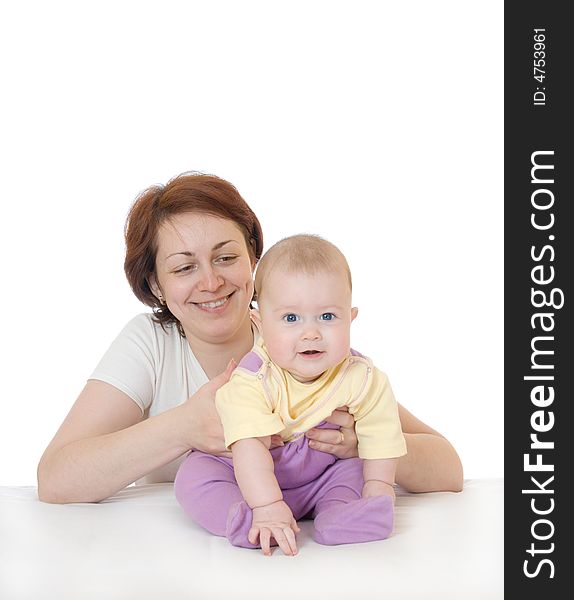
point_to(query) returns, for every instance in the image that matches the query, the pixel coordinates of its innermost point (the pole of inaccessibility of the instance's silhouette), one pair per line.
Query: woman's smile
(214, 305)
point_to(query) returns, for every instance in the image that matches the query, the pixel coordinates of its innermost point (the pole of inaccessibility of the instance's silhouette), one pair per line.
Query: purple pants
(314, 484)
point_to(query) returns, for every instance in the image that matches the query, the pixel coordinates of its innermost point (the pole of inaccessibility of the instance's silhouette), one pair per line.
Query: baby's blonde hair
(303, 253)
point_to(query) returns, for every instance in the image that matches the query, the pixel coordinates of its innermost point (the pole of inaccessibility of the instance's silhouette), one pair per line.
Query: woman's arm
(430, 465)
(105, 444)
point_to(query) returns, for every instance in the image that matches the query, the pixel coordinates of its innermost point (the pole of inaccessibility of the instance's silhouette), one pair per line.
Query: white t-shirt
(156, 369)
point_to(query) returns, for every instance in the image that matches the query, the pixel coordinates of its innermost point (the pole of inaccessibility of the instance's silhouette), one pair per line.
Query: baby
(300, 369)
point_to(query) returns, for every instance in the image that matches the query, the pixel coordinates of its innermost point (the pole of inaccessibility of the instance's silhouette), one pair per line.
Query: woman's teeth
(214, 304)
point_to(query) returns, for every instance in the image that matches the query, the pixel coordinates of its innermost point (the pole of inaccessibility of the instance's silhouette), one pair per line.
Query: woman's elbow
(455, 481)
(48, 496)
(50, 490)
(47, 492)
(431, 465)
(47, 488)
(451, 478)
(456, 474)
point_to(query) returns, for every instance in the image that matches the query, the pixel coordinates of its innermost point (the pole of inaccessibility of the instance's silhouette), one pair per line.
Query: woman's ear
(354, 313)
(155, 289)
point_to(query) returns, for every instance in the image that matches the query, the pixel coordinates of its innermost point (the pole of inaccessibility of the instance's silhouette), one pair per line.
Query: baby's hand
(373, 487)
(274, 521)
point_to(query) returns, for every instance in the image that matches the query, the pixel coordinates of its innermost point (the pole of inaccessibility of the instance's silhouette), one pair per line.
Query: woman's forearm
(431, 465)
(104, 445)
(94, 468)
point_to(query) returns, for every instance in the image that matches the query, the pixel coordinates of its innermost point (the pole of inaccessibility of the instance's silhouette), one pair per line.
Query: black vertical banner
(539, 269)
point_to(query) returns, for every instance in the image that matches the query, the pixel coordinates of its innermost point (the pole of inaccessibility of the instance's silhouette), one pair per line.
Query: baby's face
(306, 320)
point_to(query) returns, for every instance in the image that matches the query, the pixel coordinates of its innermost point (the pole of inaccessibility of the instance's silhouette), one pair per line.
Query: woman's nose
(210, 280)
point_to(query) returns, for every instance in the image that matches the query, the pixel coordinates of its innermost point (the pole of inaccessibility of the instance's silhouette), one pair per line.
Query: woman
(191, 248)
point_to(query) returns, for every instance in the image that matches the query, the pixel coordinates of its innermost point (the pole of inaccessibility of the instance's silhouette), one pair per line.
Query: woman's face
(205, 275)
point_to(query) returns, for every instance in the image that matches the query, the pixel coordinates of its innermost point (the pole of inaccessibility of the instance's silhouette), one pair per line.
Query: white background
(375, 124)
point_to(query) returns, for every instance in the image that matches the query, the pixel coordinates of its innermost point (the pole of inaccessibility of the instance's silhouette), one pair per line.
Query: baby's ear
(256, 317)
(354, 313)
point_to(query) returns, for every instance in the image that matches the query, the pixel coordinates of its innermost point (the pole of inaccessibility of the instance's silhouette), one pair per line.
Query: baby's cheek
(342, 346)
(278, 353)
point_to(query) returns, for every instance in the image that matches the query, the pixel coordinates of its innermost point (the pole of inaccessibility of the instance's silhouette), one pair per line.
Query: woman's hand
(206, 431)
(341, 442)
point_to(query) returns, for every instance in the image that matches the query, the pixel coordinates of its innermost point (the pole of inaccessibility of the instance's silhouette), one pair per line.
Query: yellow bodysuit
(262, 399)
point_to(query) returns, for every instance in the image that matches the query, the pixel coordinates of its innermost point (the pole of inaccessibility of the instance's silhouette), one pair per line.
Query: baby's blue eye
(327, 316)
(291, 318)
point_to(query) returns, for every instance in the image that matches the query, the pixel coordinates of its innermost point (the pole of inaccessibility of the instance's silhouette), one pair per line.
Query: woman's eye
(184, 269)
(328, 316)
(225, 259)
(291, 318)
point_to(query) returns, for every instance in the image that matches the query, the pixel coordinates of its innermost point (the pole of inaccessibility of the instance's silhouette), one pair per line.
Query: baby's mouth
(311, 354)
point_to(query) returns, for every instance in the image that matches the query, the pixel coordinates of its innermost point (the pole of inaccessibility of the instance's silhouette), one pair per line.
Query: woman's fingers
(206, 431)
(325, 447)
(342, 418)
(341, 442)
(276, 441)
(216, 382)
(325, 437)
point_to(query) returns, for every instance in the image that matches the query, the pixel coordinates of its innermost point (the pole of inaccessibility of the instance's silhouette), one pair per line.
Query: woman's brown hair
(188, 192)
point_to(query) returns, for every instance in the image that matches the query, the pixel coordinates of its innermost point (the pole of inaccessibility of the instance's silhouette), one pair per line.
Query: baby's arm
(255, 476)
(379, 477)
